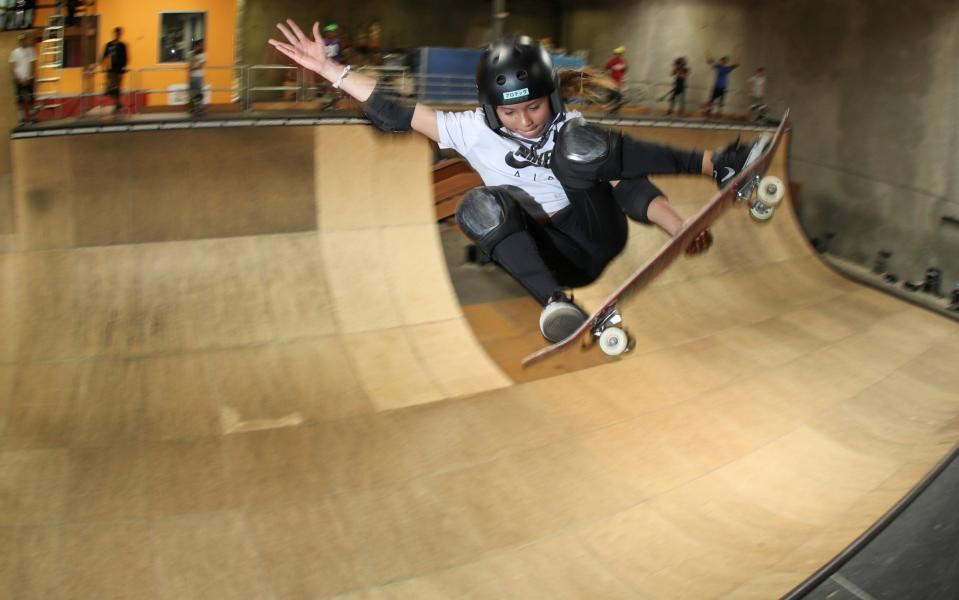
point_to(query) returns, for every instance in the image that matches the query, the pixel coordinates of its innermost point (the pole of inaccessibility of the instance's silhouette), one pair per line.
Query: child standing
(616, 68)
(680, 75)
(722, 69)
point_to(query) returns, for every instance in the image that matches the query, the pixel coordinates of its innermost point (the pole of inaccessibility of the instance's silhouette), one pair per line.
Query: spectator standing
(616, 68)
(680, 75)
(722, 69)
(23, 68)
(116, 57)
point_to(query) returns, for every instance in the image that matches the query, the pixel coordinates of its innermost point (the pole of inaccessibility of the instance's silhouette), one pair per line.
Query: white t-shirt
(503, 161)
(22, 60)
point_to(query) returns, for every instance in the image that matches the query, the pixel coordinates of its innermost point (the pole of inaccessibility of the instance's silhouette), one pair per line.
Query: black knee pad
(585, 154)
(634, 197)
(487, 215)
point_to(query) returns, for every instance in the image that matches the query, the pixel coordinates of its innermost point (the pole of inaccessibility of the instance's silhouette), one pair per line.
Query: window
(178, 32)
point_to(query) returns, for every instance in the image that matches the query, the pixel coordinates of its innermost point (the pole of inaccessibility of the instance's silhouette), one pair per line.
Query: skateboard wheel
(761, 212)
(613, 341)
(771, 191)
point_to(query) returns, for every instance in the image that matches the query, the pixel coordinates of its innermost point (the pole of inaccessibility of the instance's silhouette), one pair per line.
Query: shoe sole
(559, 321)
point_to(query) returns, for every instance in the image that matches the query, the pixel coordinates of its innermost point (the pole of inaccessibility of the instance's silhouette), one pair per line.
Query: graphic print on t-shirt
(526, 157)
(502, 158)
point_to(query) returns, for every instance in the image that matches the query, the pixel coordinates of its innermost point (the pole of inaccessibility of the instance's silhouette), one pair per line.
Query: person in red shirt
(616, 68)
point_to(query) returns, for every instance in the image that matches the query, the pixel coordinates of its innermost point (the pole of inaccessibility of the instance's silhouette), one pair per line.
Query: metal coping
(87, 128)
(832, 567)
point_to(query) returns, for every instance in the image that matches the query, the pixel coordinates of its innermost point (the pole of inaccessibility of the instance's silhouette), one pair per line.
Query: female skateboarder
(552, 211)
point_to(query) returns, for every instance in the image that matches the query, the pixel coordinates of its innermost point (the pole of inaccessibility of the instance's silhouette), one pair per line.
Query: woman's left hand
(301, 49)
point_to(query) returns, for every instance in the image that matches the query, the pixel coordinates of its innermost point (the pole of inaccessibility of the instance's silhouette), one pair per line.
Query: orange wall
(140, 20)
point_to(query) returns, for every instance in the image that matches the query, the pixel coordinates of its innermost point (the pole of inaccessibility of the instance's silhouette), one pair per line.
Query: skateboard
(751, 186)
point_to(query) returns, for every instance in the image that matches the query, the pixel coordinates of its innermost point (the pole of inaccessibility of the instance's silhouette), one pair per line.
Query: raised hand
(308, 53)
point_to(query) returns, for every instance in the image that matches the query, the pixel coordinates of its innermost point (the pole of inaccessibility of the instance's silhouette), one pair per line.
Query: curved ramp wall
(231, 406)
(368, 269)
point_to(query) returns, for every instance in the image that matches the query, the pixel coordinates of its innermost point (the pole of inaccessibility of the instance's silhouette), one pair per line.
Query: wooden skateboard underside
(709, 214)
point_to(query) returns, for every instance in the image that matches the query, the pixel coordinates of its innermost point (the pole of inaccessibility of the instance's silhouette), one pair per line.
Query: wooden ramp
(310, 414)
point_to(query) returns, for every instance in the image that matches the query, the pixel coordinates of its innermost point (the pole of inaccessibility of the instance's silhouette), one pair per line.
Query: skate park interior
(235, 363)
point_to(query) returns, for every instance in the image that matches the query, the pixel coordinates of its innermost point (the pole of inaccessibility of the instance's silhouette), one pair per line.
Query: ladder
(51, 62)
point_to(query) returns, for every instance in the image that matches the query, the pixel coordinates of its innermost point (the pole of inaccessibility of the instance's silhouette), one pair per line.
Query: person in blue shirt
(723, 69)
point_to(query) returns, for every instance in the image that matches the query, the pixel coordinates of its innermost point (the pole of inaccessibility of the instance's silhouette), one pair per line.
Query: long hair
(586, 84)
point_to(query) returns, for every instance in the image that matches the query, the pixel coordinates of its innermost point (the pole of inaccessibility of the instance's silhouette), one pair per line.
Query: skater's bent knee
(585, 154)
(487, 215)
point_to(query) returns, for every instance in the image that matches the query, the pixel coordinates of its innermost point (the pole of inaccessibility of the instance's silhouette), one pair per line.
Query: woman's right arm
(311, 54)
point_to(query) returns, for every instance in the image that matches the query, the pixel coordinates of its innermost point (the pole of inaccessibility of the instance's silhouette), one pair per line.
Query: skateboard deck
(748, 187)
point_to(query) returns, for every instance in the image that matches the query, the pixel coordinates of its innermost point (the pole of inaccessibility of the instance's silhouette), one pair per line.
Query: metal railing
(252, 88)
(250, 84)
(446, 89)
(236, 80)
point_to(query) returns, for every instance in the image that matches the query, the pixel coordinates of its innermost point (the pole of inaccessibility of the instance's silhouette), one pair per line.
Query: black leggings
(570, 249)
(575, 245)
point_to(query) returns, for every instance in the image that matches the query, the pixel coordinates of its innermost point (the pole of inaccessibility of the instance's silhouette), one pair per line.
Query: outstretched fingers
(316, 31)
(284, 48)
(287, 33)
(298, 32)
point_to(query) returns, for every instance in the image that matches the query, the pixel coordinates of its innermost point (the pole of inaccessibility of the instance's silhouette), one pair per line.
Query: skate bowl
(234, 366)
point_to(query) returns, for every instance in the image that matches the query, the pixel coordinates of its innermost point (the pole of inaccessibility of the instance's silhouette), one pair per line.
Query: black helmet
(513, 70)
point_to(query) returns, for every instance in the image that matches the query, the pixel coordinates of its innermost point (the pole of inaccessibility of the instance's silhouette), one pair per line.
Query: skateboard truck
(613, 339)
(769, 192)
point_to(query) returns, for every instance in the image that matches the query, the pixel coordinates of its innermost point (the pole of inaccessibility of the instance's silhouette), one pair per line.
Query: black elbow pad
(387, 111)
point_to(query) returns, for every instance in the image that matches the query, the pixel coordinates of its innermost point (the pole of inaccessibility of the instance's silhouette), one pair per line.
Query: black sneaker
(560, 317)
(728, 162)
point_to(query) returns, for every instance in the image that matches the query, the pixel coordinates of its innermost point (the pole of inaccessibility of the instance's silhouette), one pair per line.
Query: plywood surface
(312, 415)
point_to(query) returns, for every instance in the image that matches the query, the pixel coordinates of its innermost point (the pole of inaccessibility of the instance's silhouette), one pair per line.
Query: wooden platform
(302, 415)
